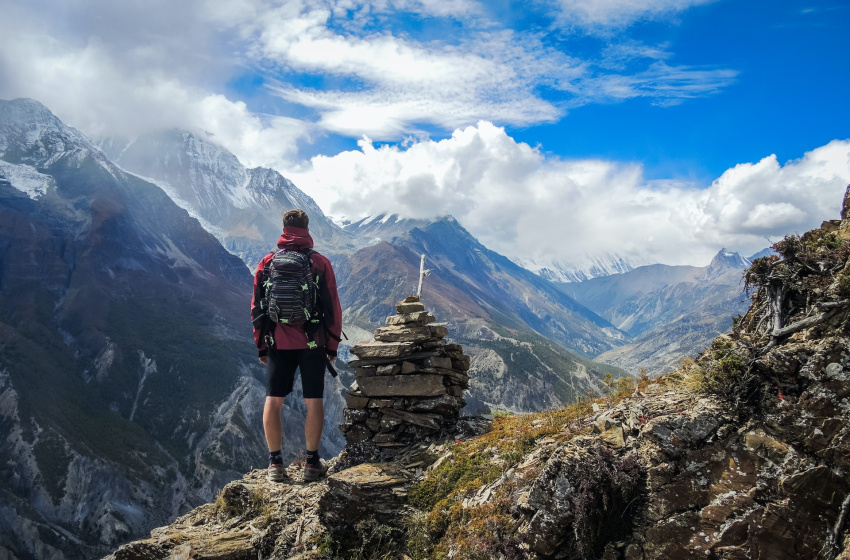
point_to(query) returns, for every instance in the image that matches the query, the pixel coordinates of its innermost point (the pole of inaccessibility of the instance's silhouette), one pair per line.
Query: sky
(657, 130)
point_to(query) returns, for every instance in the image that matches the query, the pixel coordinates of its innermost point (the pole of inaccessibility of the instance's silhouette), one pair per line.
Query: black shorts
(281, 371)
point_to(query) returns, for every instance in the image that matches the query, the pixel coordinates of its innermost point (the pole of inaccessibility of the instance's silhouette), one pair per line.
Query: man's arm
(334, 328)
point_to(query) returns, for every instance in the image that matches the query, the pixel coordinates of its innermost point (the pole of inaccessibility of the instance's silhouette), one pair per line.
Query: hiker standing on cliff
(297, 324)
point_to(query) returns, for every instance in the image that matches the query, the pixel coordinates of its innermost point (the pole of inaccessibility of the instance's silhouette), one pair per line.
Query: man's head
(296, 218)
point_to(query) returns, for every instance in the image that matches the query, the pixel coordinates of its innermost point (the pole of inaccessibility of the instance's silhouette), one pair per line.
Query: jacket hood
(295, 238)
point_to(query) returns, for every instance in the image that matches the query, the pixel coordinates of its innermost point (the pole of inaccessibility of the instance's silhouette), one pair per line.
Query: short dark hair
(296, 218)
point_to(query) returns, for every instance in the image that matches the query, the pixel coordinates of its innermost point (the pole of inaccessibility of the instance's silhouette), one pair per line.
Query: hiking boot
(314, 472)
(276, 473)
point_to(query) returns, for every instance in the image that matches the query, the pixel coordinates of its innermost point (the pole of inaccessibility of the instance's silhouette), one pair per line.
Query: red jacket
(289, 337)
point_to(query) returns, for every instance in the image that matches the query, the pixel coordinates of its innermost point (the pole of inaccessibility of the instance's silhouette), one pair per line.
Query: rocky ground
(741, 453)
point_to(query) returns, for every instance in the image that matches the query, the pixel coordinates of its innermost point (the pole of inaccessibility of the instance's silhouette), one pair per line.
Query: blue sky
(660, 130)
(787, 94)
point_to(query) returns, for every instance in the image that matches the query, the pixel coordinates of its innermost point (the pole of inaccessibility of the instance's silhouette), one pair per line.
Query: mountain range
(669, 312)
(129, 388)
(128, 380)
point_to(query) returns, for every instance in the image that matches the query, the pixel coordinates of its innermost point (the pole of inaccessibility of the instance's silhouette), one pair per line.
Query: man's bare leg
(272, 423)
(314, 423)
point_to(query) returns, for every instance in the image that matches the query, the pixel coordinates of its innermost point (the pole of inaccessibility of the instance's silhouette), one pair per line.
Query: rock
(404, 308)
(604, 423)
(438, 331)
(361, 491)
(354, 416)
(408, 367)
(461, 364)
(365, 372)
(425, 385)
(405, 334)
(429, 421)
(358, 433)
(389, 369)
(444, 405)
(613, 436)
(677, 432)
(391, 360)
(366, 350)
(836, 372)
(380, 403)
(388, 423)
(419, 318)
(356, 402)
(437, 362)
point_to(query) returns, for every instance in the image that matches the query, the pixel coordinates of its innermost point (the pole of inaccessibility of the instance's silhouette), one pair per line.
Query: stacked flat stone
(409, 381)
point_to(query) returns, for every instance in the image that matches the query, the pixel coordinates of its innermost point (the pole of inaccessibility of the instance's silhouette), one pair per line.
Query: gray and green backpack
(291, 290)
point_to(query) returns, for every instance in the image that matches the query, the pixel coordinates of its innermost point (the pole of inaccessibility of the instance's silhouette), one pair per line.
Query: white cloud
(103, 90)
(126, 67)
(425, 8)
(620, 13)
(403, 82)
(520, 203)
(394, 84)
(666, 85)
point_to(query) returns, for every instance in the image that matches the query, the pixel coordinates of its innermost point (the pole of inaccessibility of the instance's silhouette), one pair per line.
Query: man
(285, 347)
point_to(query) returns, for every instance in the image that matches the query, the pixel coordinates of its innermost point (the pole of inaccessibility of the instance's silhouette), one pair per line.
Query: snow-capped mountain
(242, 207)
(577, 270)
(726, 260)
(128, 377)
(384, 227)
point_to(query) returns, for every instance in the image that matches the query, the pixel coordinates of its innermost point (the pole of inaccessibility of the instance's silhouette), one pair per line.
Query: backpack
(291, 291)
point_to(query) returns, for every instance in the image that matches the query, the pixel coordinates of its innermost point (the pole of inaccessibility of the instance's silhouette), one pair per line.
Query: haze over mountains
(128, 379)
(670, 311)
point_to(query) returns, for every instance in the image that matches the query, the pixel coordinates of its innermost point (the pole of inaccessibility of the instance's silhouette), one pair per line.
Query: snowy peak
(387, 226)
(242, 207)
(577, 270)
(31, 134)
(724, 261)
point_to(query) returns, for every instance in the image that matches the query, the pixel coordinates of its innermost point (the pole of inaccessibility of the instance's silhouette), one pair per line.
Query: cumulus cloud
(110, 83)
(522, 203)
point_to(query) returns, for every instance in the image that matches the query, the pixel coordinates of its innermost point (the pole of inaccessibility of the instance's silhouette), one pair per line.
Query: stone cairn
(409, 381)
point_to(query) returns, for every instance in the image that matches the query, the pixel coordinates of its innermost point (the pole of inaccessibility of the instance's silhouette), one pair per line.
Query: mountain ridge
(123, 322)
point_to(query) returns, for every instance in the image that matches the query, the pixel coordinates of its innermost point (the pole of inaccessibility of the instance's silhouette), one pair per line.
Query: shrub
(608, 492)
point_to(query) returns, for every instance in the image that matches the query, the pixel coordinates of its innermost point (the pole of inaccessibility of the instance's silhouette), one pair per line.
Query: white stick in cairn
(422, 274)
